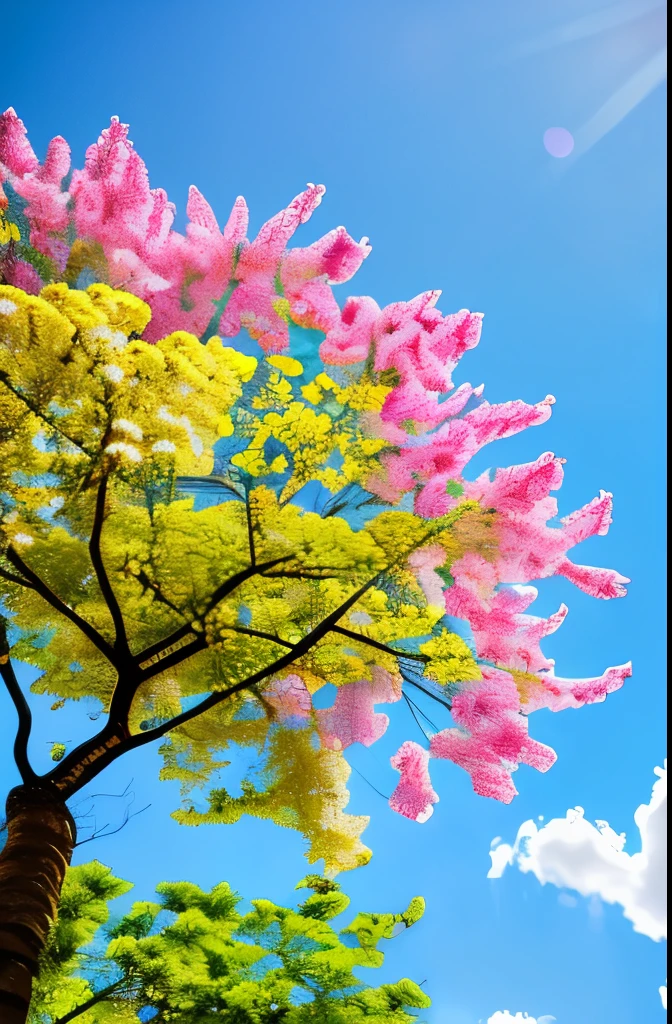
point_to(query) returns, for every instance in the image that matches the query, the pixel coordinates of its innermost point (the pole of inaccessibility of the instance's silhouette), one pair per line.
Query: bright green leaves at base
(192, 957)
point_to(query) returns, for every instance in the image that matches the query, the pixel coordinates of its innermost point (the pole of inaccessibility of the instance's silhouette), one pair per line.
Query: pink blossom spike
(56, 163)
(414, 795)
(16, 152)
(501, 632)
(602, 583)
(264, 253)
(200, 212)
(335, 256)
(235, 229)
(559, 694)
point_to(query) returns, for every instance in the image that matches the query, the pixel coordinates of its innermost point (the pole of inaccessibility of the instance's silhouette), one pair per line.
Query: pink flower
(413, 796)
(40, 185)
(493, 739)
(424, 347)
(114, 204)
(431, 461)
(501, 632)
(527, 548)
(560, 694)
(307, 274)
(289, 697)
(199, 268)
(350, 337)
(16, 152)
(22, 275)
(254, 304)
(352, 719)
(424, 562)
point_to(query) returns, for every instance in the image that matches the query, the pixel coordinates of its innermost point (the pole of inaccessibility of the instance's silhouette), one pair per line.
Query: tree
(200, 538)
(193, 957)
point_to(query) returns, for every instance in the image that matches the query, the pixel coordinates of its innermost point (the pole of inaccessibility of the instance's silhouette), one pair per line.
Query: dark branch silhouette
(15, 579)
(429, 693)
(40, 413)
(218, 595)
(71, 774)
(362, 639)
(121, 640)
(22, 709)
(97, 997)
(261, 635)
(60, 606)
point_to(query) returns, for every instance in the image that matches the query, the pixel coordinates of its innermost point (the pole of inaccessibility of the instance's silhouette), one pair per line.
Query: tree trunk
(40, 840)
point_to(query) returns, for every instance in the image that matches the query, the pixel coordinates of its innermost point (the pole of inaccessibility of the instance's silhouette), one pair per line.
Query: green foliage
(83, 910)
(193, 958)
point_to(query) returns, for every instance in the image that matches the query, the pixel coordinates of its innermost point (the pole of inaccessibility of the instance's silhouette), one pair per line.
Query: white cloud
(572, 853)
(663, 995)
(504, 1017)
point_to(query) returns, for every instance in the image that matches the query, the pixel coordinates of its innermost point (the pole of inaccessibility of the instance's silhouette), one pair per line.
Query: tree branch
(221, 592)
(301, 574)
(36, 411)
(97, 997)
(91, 757)
(162, 645)
(15, 579)
(362, 639)
(144, 581)
(60, 606)
(299, 649)
(250, 527)
(21, 704)
(121, 640)
(262, 636)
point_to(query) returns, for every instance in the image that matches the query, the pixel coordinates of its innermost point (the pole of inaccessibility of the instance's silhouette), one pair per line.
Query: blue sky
(426, 124)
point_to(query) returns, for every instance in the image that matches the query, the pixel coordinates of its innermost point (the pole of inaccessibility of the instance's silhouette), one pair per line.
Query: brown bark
(40, 839)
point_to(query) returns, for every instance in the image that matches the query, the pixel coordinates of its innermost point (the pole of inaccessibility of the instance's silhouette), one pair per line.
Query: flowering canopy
(201, 535)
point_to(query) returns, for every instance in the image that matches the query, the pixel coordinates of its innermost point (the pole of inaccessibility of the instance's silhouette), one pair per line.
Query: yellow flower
(451, 661)
(287, 365)
(9, 231)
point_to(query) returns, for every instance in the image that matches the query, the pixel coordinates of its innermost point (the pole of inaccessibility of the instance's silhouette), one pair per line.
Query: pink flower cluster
(110, 204)
(215, 280)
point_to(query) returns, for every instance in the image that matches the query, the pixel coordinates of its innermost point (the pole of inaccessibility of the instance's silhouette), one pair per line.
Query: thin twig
(36, 411)
(11, 578)
(262, 636)
(421, 712)
(362, 639)
(60, 606)
(362, 776)
(423, 689)
(417, 720)
(250, 527)
(101, 834)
